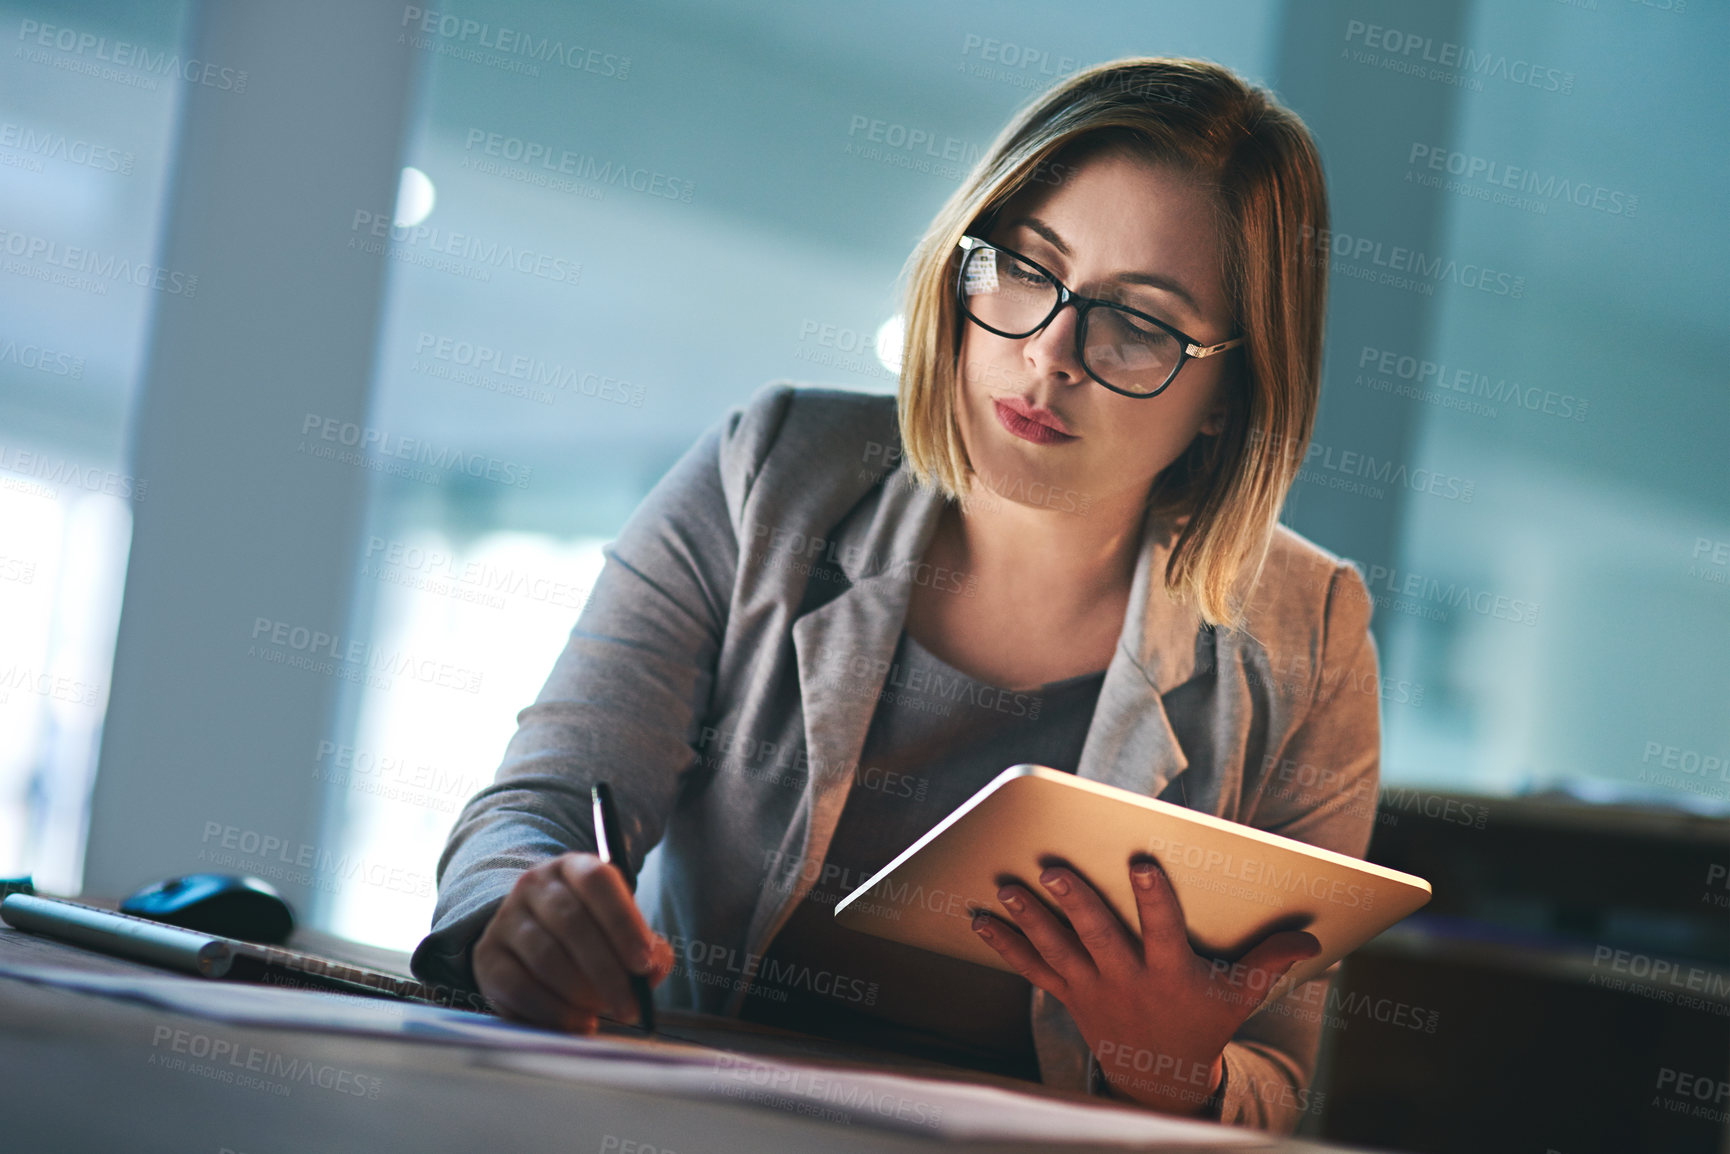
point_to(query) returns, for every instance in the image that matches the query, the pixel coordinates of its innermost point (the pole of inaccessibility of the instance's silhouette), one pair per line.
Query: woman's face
(1110, 226)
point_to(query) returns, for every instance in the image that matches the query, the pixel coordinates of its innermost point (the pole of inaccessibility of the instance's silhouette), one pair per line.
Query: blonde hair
(1257, 160)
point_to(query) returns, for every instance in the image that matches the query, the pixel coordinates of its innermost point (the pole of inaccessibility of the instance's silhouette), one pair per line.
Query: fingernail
(982, 923)
(1055, 882)
(1142, 875)
(1009, 898)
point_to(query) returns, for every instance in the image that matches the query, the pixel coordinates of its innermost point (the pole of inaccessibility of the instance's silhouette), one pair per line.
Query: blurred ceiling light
(891, 338)
(414, 198)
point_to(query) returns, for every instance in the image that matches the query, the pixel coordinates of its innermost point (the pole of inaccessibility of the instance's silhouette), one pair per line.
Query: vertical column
(1330, 69)
(242, 556)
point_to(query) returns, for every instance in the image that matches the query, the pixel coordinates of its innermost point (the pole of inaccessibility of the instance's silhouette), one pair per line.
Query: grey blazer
(726, 667)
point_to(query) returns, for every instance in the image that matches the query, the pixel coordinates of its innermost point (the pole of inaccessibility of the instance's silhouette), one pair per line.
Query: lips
(1029, 424)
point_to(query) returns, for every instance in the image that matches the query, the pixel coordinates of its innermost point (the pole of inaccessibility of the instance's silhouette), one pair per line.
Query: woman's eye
(1146, 333)
(1021, 274)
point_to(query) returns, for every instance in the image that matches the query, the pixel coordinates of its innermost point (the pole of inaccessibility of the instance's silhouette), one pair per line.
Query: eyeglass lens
(1010, 295)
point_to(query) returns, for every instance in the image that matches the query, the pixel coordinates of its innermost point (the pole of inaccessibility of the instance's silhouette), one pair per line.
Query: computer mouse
(225, 904)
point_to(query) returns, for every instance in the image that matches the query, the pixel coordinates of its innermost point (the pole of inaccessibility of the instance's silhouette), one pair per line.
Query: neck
(1086, 555)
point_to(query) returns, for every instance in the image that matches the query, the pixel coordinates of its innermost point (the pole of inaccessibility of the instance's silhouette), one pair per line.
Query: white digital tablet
(1237, 884)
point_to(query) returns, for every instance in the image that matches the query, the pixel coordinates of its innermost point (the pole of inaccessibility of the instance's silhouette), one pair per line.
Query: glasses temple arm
(1199, 351)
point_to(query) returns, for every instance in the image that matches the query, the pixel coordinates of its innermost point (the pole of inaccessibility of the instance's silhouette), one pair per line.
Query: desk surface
(81, 1072)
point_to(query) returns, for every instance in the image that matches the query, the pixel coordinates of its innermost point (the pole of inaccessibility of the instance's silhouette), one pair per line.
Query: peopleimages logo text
(124, 54)
(513, 42)
(99, 265)
(1462, 58)
(1519, 179)
(581, 166)
(463, 246)
(1424, 373)
(46, 145)
(1408, 264)
(366, 439)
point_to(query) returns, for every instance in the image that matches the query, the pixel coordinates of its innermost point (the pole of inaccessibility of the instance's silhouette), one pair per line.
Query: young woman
(840, 615)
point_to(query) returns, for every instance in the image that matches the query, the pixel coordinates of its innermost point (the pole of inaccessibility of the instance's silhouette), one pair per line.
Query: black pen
(610, 843)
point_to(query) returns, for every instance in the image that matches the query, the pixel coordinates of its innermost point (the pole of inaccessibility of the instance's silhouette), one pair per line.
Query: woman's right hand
(562, 947)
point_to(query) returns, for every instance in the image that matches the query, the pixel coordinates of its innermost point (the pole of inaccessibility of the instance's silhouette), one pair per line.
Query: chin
(1005, 469)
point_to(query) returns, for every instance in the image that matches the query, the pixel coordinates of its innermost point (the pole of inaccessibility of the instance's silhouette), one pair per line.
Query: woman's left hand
(1156, 1014)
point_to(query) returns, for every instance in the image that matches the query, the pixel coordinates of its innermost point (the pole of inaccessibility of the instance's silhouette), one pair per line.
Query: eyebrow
(1151, 280)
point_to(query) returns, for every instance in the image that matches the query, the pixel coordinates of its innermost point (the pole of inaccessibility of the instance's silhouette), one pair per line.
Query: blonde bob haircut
(1258, 162)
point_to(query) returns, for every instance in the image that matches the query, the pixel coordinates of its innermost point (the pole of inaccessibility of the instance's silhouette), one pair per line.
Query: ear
(1213, 423)
(1226, 394)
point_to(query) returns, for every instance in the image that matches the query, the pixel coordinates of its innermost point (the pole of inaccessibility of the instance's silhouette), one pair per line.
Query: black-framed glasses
(1005, 293)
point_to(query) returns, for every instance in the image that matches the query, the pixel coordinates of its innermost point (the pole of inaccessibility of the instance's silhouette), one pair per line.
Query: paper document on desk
(291, 1009)
(848, 1096)
(934, 1108)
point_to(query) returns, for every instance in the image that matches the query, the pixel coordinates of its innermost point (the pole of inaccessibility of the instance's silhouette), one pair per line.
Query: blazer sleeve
(624, 698)
(1320, 787)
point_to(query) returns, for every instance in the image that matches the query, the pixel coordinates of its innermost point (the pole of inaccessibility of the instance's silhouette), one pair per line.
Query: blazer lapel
(1130, 743)
(843, 650)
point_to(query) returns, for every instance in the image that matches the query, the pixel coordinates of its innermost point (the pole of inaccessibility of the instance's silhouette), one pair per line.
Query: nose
(1052, 350)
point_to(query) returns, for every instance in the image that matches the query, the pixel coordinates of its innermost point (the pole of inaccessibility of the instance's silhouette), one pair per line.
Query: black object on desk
(231, 906)
(610, 841)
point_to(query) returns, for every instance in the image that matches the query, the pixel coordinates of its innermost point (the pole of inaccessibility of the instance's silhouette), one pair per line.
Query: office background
(336, 339)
